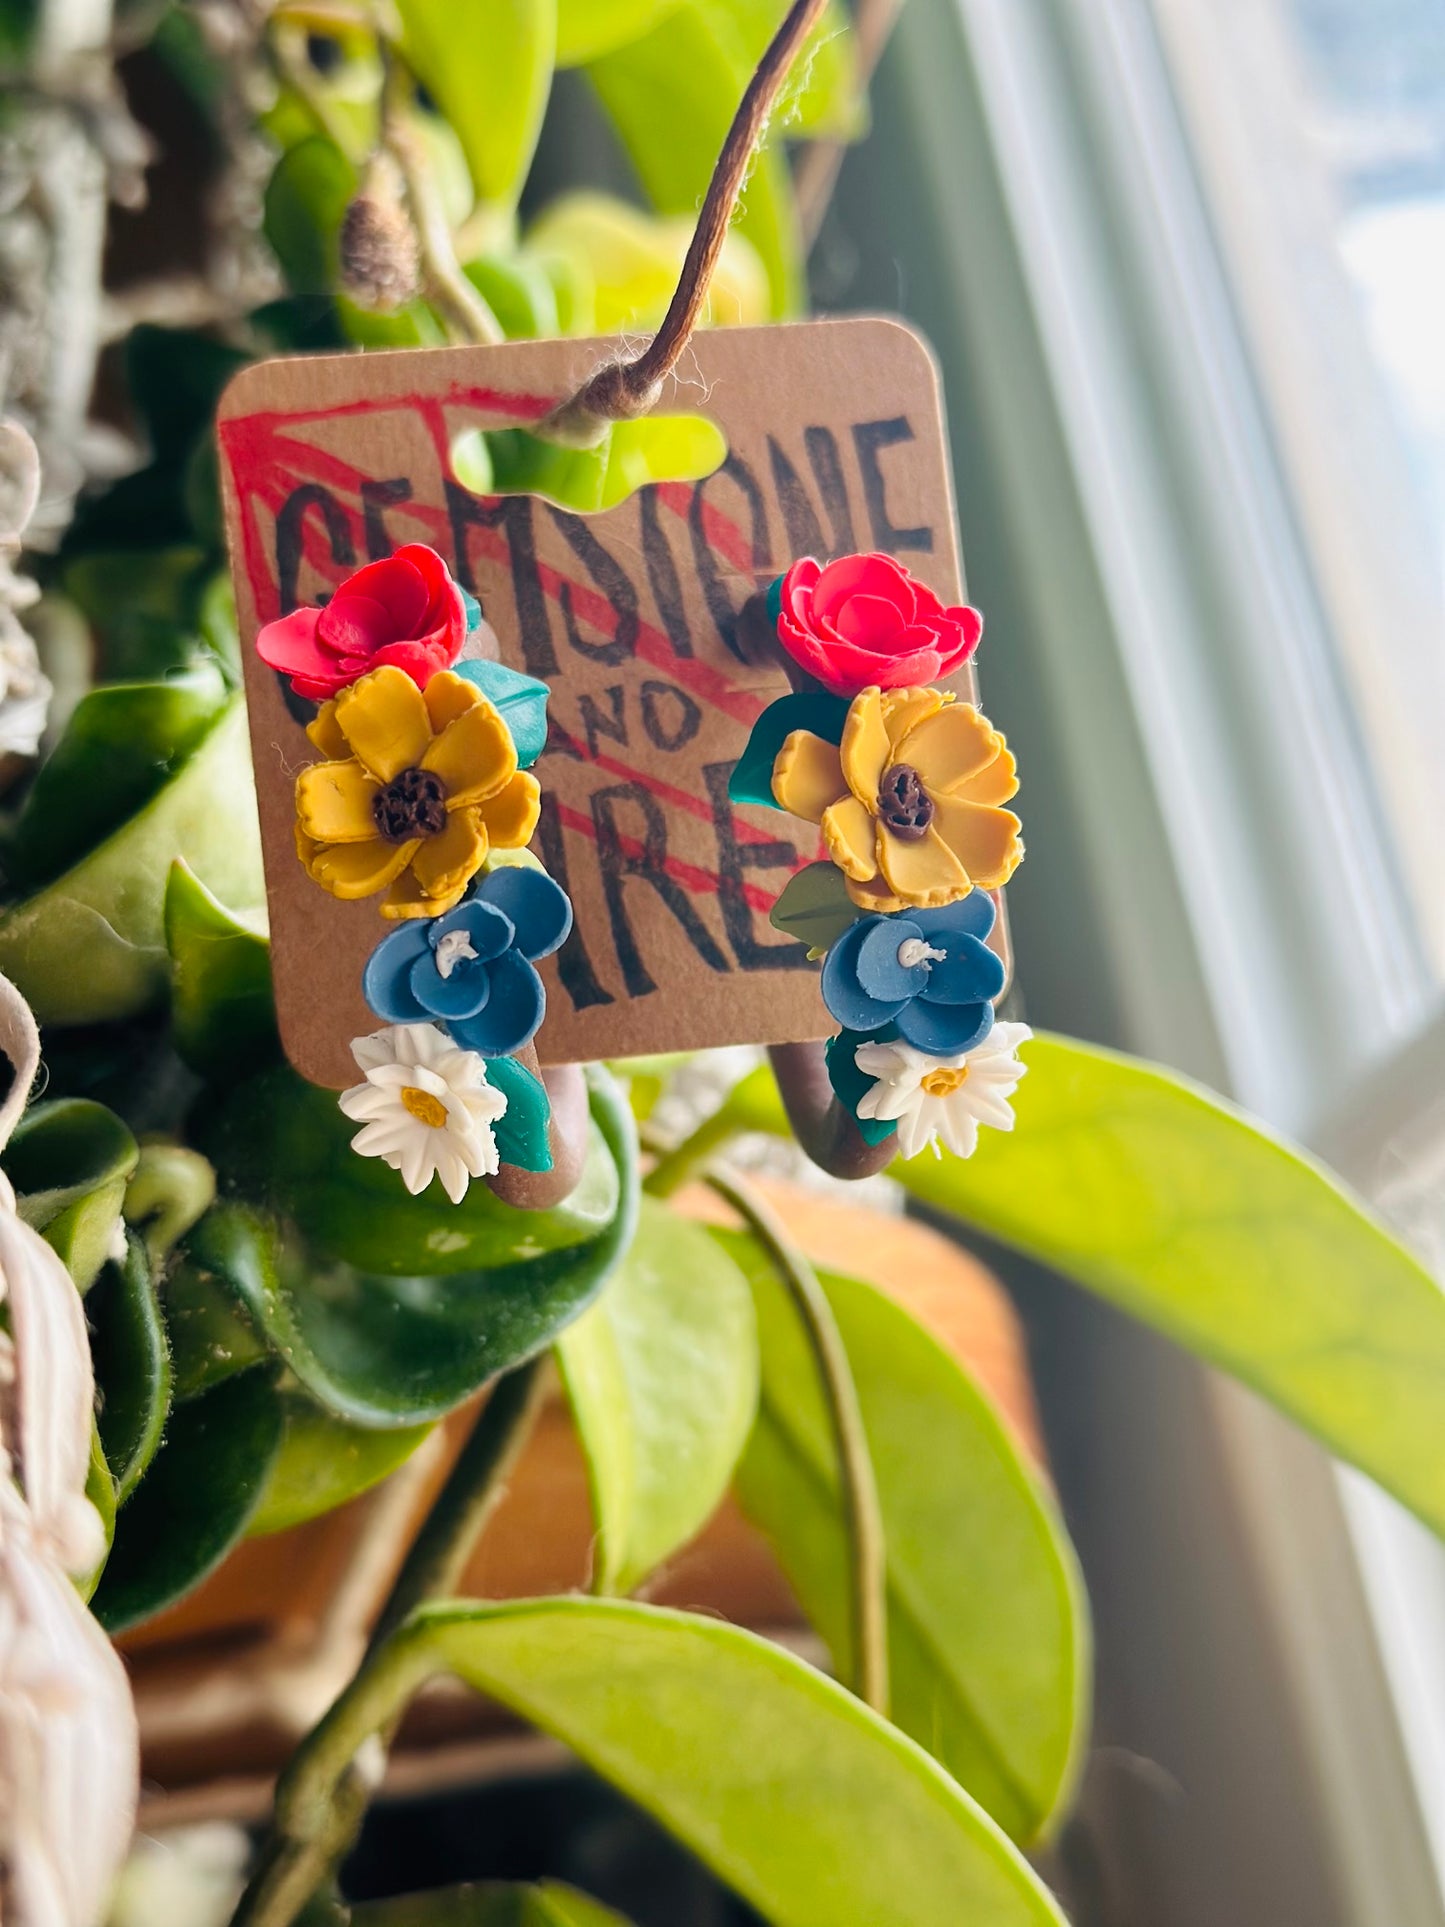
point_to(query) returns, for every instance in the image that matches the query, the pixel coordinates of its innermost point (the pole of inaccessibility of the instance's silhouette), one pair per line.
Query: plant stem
(467, 1501)
(459, 304)
(322, 1796)
(855, 1464)
(686, 1160)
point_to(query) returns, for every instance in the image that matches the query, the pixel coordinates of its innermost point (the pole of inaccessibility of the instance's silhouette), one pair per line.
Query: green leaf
(490, 78)
(662, 1375)
(1170, 1203)
(100, 1490)
(804, 1801)
(175, 376)
(815, 907)
(222, 1013)
(70, 1161)
(519, 293)
(752, 777)
(195, 1501)
(309, 191)
(548, 1904)
(632, 455)
(123, 743)
(212, 1336)
(522, 701)
(631, 261)
(988, 1628)
(132, 1365)
(323, 1462)
(90, 947)
(588, 28)
(285, 1145)
(822, 97)
(671, 96)
(402, 1348)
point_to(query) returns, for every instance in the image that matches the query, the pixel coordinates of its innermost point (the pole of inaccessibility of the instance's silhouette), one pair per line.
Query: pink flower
(404, 611)
(863, 622)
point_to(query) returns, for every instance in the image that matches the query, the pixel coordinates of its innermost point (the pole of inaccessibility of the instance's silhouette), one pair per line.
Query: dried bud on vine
(379, 262)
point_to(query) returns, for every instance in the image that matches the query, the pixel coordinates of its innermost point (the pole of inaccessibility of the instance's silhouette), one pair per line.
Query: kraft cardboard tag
(835, 444)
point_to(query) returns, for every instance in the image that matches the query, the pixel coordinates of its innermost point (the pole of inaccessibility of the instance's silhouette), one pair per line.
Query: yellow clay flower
(416, 790)
(908, 802)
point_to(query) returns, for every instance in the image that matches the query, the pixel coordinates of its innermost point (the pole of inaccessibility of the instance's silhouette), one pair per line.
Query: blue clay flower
(473, 968)
(926, 975)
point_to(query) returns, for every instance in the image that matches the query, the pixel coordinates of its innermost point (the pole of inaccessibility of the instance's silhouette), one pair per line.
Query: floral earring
(907, 786)
(423, 798)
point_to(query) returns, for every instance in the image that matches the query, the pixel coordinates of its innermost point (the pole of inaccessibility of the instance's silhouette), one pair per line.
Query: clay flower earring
(907, 786)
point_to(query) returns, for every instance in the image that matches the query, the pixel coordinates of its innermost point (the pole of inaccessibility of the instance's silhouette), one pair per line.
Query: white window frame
(1235, 851)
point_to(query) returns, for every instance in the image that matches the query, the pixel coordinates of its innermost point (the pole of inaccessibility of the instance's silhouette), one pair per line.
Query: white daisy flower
(426, 1108)
(943, 1098)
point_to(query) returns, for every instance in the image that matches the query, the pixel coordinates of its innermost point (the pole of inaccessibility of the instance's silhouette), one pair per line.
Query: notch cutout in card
(834, 443)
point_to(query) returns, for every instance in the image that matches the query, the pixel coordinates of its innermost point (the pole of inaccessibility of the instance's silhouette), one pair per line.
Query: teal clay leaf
(521, 699)
(752, 777)
(851, 1086)
(815, 907)
(522, 1133)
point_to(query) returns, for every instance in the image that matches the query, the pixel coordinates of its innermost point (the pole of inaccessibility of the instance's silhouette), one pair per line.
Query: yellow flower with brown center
(908, 802)
(416, 789)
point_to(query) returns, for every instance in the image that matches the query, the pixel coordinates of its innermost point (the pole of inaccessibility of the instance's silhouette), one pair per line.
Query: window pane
(1320, 131)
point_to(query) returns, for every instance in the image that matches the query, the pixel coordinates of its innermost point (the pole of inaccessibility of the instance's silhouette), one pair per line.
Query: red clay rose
(863, 622)
(404, 610)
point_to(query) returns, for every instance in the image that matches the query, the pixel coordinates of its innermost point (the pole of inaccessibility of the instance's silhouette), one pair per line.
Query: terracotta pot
(228, 1680)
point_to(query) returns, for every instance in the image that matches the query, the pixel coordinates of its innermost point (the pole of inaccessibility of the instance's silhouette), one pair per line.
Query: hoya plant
(275, 1325)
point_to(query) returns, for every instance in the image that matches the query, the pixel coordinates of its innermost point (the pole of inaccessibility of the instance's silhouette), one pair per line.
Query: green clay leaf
(587, 29)
(522, 701)
(815, 907)
(988, 1628)
(70, 1161)
(403, 1346)
(662, 1375)
(90, 947)
(490, 81)
(851, 1086)
(549, 1904)
(752, 777)
(195, 1501)
(671, 97)
(223, 1015)
(523, 1136)
(1171, 1204)
(323, 1462)
(801, 1799)
(132, 1365)
(122, 744)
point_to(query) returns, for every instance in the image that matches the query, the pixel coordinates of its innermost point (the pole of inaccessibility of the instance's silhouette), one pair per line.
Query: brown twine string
(623, 390)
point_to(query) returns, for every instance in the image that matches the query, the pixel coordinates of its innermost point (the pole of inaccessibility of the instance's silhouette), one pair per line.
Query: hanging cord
(623, 390)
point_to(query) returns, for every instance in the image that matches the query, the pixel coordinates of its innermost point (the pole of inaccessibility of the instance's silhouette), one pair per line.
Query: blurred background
(1183, 266)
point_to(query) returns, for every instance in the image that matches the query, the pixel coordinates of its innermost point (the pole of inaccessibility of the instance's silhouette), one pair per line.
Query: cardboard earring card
(835, 444)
